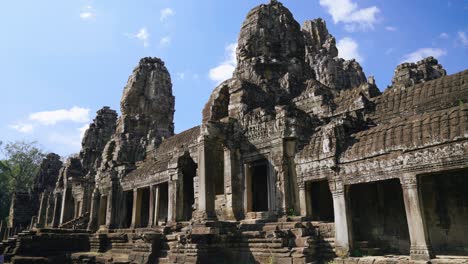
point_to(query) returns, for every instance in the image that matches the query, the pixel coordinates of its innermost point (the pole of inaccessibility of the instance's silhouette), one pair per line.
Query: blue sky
(61, 61)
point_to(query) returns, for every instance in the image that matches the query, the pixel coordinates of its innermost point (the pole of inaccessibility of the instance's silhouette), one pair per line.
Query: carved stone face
(271, 51)
(271, 33)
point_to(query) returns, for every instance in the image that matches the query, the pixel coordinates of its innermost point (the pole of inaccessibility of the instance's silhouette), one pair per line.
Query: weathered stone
(147, 108)
(96, 138)
(409, 74)
(48, 173)
(322, 57)
(299, 159)
(270, 51)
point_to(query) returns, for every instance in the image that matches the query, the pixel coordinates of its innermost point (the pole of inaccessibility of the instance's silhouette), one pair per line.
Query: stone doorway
(128, 199)
(142, 209)
(163, 204)
(257, 186)
(444, 199)
(378, 218)
(320, 201)
(189, 171)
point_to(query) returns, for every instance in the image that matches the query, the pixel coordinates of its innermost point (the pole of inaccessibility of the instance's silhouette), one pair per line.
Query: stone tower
(147, 107)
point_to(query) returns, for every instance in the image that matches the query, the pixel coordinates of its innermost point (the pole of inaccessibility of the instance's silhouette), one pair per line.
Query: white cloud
(87, 13)
(143, 35)
(181, 75)
(423, 53)
(165, 13)
(74, 114)
(347, 12)
(349, 49)
(462, 38)
(224, 71)
(165, 41)
(24, 128)
(390, 28)
(443, 35)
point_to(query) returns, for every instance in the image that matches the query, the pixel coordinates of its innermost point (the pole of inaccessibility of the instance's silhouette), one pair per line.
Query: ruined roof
(164, 154)
(405, 119)
(438, 94)
(406, 134)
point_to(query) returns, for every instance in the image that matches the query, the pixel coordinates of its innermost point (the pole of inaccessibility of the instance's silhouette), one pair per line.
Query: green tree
(18, 167)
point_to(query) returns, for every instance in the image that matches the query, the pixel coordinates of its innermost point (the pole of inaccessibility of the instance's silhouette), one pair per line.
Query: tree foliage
(19, 165)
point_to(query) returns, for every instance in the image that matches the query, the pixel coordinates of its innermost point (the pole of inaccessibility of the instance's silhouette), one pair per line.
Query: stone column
(156, 205)
(172, 201)
(65, 208)
(110, 208)
(42, 213)
(420, 245)
(57, 209)
(232, 183)
(206, 199)
(135, 209)
(343, 229)
(50, 210)
(151, 207)
(302, 199)
(93, 223)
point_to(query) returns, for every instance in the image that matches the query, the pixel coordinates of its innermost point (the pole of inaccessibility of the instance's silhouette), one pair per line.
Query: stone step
(163, 260)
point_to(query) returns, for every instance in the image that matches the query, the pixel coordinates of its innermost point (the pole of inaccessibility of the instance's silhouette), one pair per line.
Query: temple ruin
(299, 158)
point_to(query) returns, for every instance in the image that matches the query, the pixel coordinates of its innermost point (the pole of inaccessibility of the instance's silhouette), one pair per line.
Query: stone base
(342, 252)
(423, 253)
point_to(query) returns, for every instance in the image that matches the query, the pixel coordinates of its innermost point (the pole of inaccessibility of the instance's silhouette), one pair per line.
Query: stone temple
(299, 158)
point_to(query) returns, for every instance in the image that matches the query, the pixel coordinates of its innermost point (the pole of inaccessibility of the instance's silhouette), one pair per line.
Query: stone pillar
(157, 203)
(50, 210)
(172, 201)
(57, 209)
(232, 182)
(93, 223)
(343, 228)
(110, 208)
(136, 209)
(302, 199)
(420, 245)
(206, 199)
(151, 207)
(42, 213)
(65, 207)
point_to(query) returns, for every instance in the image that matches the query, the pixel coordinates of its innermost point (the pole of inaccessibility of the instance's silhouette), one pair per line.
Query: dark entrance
(379, 218)
(145, 202)
(320, 201)
(259, 186)
(163, 203)
(128, 196)
(445, 206)
(189, 171)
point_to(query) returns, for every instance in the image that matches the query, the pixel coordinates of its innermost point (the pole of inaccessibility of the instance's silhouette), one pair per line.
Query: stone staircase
(284, 241)
(77, 223)
(325, 235)
(123, 247)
